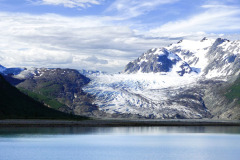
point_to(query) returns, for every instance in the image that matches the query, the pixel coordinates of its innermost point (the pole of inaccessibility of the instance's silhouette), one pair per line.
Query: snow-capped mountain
(193, 52)
(158, 60)
(169, 82)
(209, 57)
(223, 59)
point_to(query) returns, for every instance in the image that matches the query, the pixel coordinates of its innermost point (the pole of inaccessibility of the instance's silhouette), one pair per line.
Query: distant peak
(180, 41)
(204, 39)
(220, 41)
(2, 68)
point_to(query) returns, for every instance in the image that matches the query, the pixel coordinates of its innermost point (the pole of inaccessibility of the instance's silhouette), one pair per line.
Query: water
(120, 143)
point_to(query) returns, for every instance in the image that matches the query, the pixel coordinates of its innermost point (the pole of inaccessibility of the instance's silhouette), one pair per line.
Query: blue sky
(105, 34)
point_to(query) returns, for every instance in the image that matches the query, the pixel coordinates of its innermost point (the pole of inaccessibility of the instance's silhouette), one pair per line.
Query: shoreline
(115, 123)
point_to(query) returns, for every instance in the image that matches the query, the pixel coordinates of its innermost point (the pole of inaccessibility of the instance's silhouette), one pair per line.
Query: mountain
(189, 79)
(8, 74)
(60, 89)
(15, 104)
(10, 71)
(2, 68)
(158, 60)
(182, 80)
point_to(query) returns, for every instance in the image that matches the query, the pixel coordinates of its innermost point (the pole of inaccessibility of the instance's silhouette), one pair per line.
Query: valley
(186, 80)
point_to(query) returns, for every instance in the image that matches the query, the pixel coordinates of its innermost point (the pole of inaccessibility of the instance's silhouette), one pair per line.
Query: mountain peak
(180, 41)
(221, 40)
(157, 60)
(183, 57)
(205, 38)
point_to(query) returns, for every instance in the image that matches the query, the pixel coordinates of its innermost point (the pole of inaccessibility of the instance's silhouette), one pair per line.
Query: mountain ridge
(186, 80)
(16, 105)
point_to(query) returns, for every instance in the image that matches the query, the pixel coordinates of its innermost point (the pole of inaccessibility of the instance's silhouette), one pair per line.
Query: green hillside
(15, 104)
(51, 102)
(233, 92)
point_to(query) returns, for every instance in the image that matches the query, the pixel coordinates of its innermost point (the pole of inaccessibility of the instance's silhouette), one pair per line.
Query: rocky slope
(223, 100)
(60, 89)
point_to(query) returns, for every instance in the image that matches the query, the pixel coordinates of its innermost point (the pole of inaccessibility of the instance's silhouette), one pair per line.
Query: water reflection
(120, 143)
(116, 130)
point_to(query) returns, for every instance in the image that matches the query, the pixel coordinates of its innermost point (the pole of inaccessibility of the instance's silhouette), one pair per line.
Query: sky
(105, 34)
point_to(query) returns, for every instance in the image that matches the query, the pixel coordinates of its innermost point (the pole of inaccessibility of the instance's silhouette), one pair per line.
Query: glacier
(167, 82)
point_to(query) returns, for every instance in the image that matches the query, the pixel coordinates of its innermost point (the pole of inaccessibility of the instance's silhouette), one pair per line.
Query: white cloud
(215, 18)
(68, 3)
(133, 8)
(39, 55)
(56, 41)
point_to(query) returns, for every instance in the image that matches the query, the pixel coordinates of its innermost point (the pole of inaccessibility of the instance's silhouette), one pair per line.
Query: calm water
(120, 143)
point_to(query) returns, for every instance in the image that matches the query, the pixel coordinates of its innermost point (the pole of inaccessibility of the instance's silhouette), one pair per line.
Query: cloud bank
(56, 41)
